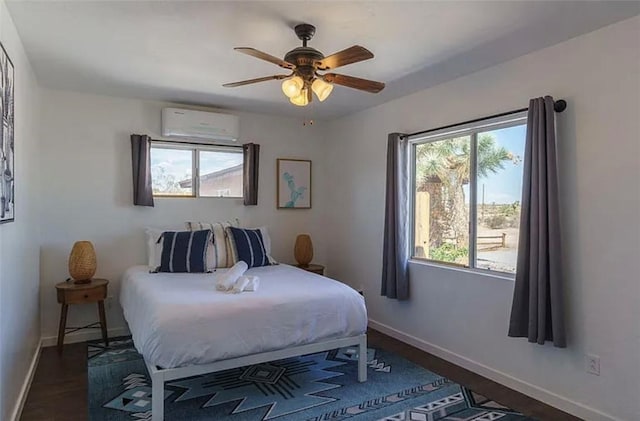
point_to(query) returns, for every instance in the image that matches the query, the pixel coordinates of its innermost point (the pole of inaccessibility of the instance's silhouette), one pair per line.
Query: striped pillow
(248, 246)
(218, 256)
(184, 251)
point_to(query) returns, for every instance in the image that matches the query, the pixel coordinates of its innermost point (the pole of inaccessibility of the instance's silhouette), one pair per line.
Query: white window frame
(465, 129)
(195, 149)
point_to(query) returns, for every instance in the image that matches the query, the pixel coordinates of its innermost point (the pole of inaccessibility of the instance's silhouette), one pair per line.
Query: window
(195, 170)
(467, 185)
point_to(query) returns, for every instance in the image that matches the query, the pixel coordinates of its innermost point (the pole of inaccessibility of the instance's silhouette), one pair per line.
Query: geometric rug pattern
(316, 387)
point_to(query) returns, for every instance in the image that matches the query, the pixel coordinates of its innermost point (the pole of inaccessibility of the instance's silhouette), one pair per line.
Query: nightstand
(319, 269)
(70, 293)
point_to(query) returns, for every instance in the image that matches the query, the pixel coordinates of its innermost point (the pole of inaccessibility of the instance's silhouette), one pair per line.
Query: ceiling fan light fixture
(292, 87)
(321, 88)
(302, 99)
(305, 62)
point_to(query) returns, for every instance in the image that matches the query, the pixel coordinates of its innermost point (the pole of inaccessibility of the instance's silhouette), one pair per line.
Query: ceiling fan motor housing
(304, 58)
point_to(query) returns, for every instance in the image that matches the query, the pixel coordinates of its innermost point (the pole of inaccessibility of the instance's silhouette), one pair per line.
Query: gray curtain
(141, 161)
(395, 274)
(537, 311)
(251, 158)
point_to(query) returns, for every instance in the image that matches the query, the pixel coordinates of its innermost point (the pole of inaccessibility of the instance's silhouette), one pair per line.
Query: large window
(467, 185)
(195, 170)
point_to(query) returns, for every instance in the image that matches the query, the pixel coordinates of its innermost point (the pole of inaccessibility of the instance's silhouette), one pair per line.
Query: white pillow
(154, 250)
(218, 253)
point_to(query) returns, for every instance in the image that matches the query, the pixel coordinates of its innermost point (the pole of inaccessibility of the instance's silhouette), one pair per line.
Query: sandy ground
(502, 259)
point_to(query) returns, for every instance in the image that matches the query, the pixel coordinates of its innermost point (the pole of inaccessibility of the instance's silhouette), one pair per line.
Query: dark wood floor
(59, 389)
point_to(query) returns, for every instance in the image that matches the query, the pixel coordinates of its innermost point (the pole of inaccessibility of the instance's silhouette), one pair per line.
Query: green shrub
(496, 221)
(448, 253)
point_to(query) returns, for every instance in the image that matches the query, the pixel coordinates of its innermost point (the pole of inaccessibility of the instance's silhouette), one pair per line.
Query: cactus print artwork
(294, 184)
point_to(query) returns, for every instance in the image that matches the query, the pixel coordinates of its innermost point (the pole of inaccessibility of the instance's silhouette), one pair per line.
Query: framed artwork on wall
(294, 184)
(7, 148)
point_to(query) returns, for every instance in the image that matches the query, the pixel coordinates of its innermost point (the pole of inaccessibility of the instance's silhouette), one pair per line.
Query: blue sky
(504, 187)
(176, 162)
(215, 161)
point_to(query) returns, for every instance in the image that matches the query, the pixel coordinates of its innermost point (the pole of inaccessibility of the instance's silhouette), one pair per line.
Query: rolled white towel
(227, 279)
(254, 283)
(240, 285)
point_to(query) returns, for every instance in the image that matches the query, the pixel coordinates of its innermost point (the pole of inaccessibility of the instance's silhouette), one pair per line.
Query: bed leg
(157, 396)
(362, 359)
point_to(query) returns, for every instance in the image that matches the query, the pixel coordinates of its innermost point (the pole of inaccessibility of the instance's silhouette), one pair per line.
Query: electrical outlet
(592, 364)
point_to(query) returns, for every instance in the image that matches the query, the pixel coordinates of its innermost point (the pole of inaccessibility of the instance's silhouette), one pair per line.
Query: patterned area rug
(315, 387)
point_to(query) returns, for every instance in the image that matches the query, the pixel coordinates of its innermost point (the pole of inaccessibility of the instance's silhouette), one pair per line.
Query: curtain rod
(180, 142)
(558, 106)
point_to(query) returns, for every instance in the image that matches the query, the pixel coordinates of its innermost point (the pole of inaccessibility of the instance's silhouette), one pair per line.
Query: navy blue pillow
(184, 251)
(249, 247)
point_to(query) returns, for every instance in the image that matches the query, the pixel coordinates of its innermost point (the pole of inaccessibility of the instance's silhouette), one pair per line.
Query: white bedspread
(180, 319)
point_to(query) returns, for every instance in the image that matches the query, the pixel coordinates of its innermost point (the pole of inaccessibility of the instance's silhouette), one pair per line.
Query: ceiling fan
(305, 64)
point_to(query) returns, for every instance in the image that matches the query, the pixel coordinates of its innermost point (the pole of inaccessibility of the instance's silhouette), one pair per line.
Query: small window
(467, 185)
(196, 170)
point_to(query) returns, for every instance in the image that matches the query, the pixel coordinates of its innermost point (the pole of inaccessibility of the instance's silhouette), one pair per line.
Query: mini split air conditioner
(200, 126)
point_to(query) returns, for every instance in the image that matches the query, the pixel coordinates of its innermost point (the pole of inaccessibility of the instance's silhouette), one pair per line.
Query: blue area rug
(316, 387)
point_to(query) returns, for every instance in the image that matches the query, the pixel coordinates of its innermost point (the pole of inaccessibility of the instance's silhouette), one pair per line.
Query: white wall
(464, 316)
(19, 262)
(87, 191)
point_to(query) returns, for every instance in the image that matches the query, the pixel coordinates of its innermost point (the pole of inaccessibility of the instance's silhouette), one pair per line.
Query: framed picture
(294, 184)
(7, 148)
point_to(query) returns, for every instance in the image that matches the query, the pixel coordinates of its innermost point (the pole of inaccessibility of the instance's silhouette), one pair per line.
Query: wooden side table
(70, 293)
(319, 269)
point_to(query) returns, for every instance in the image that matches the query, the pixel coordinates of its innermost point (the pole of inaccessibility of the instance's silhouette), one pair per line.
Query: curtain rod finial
(560, 105)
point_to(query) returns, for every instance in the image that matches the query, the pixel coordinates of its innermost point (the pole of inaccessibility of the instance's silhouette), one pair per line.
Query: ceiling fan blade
(257, 80)
(342, 58)
(264, 56)
(354, 82)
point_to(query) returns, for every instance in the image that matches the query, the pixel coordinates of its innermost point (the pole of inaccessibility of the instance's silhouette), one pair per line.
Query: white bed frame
(159, 375)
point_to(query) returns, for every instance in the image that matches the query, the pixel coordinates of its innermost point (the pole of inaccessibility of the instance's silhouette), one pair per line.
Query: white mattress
(180, 319)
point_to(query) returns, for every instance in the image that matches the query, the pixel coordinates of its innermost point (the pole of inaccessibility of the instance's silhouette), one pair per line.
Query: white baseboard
(26, 385)
(84, 336)
(536, 392)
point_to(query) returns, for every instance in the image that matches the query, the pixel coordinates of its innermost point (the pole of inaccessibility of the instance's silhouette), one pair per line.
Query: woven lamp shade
(82, 262)
(303, 250)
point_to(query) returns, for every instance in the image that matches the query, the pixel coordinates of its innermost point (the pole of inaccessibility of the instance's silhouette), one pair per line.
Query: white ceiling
(183, 51)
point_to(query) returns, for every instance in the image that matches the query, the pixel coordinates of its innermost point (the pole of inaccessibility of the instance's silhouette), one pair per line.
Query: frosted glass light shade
(292, 87)
(321, 88)
(300, 100)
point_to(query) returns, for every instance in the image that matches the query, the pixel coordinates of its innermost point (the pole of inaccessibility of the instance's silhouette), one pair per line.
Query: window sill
(481, 272)
(220, 197)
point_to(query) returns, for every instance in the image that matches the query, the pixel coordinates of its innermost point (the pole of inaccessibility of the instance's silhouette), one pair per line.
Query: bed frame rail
(159, 376)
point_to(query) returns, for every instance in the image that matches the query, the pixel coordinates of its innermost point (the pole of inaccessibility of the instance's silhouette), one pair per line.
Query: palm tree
(443, 169)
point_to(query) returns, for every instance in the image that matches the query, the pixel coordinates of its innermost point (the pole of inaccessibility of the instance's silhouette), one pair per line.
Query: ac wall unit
(200, 125)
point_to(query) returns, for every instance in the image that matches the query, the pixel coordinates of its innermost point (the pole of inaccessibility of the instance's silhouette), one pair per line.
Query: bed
(183, 327)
